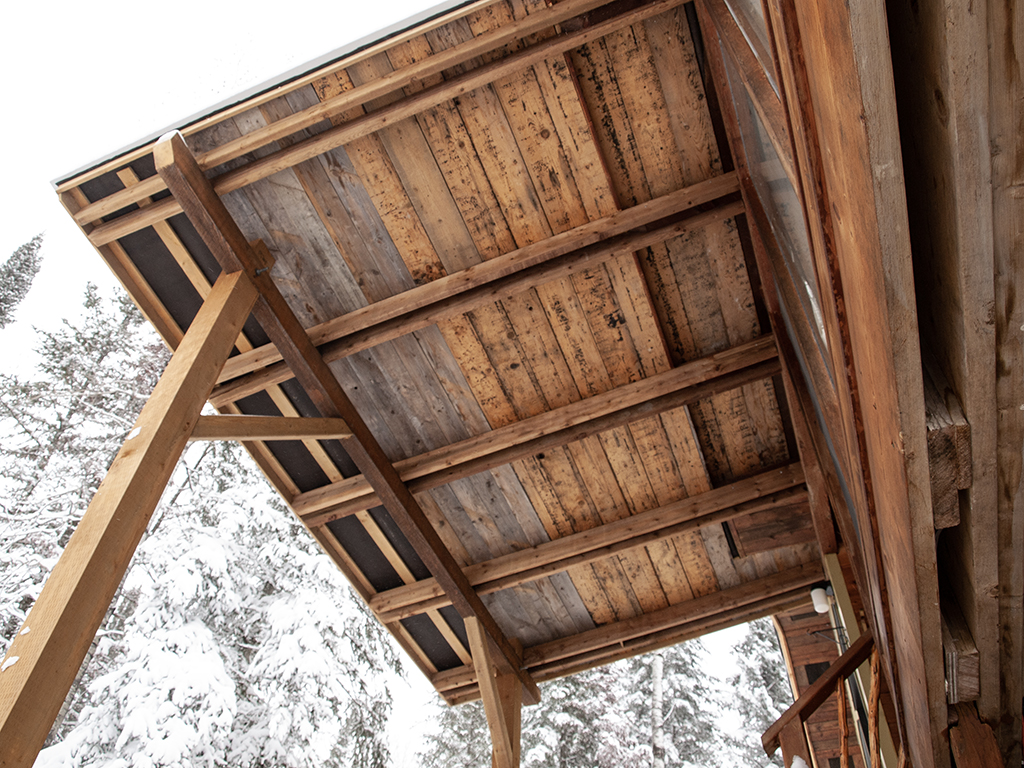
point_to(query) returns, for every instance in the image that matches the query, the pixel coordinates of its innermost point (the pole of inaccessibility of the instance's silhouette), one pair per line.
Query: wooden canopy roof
(580, 328)
(515, 235)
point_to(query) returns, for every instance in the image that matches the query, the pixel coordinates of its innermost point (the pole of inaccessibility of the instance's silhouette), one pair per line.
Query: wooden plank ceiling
(512, 234)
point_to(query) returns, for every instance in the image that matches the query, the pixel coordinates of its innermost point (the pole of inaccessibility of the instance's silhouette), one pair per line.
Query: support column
(502, 695)
(47, 652)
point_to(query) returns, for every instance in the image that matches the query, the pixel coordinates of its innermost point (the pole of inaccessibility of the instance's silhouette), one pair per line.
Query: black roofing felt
(156, 264)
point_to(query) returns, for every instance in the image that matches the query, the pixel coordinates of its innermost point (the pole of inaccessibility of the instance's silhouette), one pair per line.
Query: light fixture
(820, 599)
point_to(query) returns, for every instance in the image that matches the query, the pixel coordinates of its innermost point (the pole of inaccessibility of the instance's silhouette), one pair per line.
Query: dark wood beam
(371, 122)
(556, 257)
(687, 384)
(41, 664)
(213, 222)
(246, 427)
(755, 82)
(650, 631)
(768, 490)
(823, 687)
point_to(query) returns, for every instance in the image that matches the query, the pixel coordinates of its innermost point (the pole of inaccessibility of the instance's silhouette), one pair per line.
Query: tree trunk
(657, 722)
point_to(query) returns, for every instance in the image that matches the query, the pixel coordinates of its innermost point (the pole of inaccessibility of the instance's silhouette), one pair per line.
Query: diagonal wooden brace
(47, 652)
(178, 167)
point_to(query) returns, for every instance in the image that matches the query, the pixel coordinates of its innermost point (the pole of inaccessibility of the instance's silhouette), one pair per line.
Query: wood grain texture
(40, 666)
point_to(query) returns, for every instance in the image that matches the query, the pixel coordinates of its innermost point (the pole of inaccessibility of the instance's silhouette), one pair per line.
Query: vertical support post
(47, 652)
(502, 695)
(793, 741)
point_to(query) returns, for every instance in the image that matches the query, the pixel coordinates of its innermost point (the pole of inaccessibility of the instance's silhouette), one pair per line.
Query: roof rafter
(177, 165)
(489, 281)
(687, 384)
(769, 490)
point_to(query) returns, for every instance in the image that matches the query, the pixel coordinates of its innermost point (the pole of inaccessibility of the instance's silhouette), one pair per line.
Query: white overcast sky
(81, 80)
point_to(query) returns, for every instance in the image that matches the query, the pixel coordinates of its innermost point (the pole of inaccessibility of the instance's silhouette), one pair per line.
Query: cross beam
(194, 192)
(777, 488)
(687, 384)
(649, 631)
(556, 257)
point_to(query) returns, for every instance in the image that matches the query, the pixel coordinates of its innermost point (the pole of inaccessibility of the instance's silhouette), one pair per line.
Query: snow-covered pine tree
(762, 690)
(691, 706)
(461, 738)
(16, 276)
(233, 640)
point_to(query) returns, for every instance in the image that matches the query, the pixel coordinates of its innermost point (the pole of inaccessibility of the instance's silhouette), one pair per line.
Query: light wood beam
(823, 687)
(689, 383)
(245, 427)
(490, 281)
(213, 222)
(371, 122)
(504, 729)
(47, 652)
(650, 631)
(768, 490)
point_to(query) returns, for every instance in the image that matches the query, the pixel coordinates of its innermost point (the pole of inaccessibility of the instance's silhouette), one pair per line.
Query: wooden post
(47, 652)
(793, 741)
(972, 741)
(502, 694)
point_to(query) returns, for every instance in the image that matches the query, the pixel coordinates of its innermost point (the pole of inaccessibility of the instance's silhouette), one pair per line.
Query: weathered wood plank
(949, 448)
(765, 491)
(470, 289)
(373, 122)
(571, 422)
(694, 617)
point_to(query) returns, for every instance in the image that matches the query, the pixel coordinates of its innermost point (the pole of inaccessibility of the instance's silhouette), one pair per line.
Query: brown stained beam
(502, 711)
(647, 632)
(972, 741)
(768, 490)
(823, 687)
(687, 384)
(245, 427)
(491, 280)
(46, 653)
(371, 122)
(213, 222)
(672, 636)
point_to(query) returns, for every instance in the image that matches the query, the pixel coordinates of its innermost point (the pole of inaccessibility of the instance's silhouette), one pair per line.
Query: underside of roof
(516, 236)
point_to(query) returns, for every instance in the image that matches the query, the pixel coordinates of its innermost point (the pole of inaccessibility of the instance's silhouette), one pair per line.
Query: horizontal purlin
(650, 630)
(493, 280)
(687, 384)
(769, 490)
